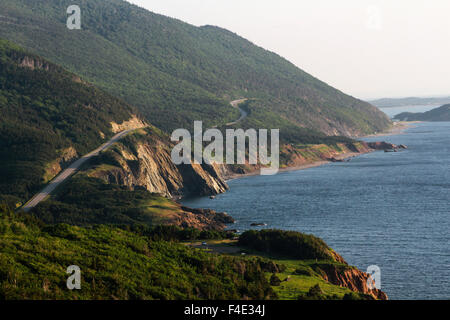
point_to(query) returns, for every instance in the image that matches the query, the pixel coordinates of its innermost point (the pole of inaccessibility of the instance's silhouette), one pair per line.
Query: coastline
(305, 166)
(396, 129)
(234, 176)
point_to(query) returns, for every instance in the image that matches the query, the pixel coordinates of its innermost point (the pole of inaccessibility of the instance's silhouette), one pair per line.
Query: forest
(136, 262)
(46, 110)
(176, 73)
(116, 264)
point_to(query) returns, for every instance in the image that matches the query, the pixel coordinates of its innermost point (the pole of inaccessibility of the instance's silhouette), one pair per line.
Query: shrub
(290, 244)
(274, 280)
(304, 271)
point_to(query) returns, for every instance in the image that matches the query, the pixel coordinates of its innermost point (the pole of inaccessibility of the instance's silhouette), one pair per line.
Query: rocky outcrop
(381, 145)
(33, 63)
(200, 219)
(36, 63)
(203, 219)
(66, 157)
(349, 277)
(133, 123)
(294, 156)
(386, 146)
(202, 179)
(146, 163)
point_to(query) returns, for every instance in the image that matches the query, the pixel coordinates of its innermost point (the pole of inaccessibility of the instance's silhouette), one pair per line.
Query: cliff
(202, 219)
(33, 63)
(133, 123)
(143, 160)
(296, 156)
(66, 156)
(305, 248)
(349, 277)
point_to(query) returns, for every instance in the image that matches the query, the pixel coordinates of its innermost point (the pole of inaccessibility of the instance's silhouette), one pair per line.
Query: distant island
(438, 114)
(410, 101)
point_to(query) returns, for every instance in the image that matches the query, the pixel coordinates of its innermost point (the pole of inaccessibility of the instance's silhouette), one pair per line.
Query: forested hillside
(176, 73)
(46, 114)
(412, 101)
(438, 114)
(123, 262)
(34, 259)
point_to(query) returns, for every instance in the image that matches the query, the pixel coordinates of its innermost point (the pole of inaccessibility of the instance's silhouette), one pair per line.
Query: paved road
(244, 114)
(77, 164)
(70, 171)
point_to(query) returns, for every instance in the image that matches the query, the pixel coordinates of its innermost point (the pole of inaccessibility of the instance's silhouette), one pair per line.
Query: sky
(367, 48)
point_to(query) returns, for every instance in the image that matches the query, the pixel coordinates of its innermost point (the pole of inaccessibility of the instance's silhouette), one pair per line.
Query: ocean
(386, 209)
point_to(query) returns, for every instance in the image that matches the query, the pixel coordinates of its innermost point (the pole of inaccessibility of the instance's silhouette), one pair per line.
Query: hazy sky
(368, 49)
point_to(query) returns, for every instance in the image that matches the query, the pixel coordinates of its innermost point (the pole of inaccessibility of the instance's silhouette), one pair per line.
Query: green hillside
(411, 101)
(120, 263)
(115, 264)
(46, 113)
(438, 114)
(176, 73)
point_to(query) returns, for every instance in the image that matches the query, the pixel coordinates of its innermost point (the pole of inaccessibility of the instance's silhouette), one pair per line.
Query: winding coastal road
(73, 168)
(235, 104)
(244, 114)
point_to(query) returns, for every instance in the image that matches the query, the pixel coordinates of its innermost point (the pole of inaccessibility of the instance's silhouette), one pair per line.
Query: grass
(162, 210)
(287, 290)
(85, 201)
(99, 169)
(300, 284)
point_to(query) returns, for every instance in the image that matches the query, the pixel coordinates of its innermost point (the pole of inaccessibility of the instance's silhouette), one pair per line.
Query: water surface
(385, 209)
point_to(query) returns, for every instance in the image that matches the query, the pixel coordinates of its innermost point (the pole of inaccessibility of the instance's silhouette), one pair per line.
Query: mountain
(176, 73)
(411, 101)
(51, 117)
(438, 114)
(114, 217)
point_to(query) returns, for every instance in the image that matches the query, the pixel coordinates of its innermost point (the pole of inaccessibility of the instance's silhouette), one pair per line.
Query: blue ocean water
(386, 209)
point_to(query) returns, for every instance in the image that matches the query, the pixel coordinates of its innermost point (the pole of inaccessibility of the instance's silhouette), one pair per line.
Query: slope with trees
(438, 114)
(47, 113)
(177, 73)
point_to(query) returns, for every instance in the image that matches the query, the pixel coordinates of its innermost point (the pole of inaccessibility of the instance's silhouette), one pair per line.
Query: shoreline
(397, 128)
(305, 166)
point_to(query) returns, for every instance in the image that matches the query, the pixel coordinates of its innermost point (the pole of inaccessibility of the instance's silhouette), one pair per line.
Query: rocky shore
(351, 278)
(203, 219)
(311, 157)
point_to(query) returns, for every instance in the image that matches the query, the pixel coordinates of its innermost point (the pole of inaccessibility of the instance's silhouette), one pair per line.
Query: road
(70, 171)
(235, 104)
(77, 164)
(244, 114)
